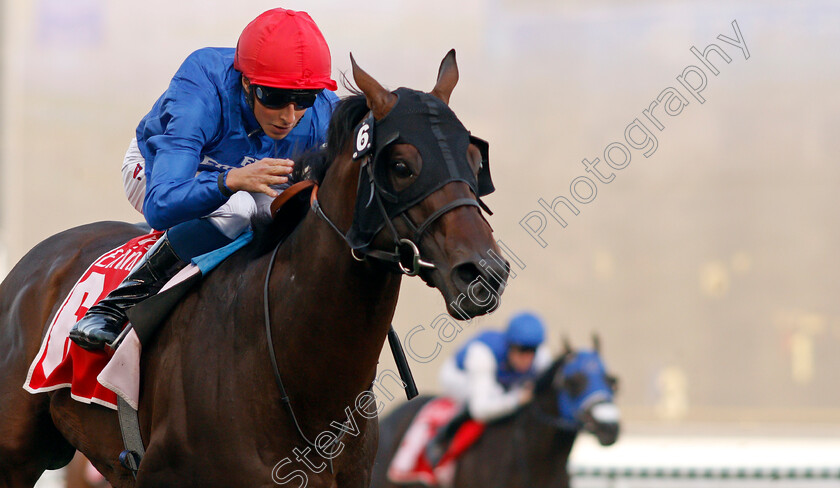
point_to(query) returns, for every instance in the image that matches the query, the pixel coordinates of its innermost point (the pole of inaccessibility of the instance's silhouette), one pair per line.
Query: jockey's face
(275, 122)
(521, 358)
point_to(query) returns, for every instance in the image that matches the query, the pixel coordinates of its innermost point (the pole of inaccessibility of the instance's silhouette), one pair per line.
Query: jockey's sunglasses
(275, 98)
(524, 349)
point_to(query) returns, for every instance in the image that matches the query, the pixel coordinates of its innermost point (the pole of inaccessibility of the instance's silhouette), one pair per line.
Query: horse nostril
(482, 285)
(464, 274)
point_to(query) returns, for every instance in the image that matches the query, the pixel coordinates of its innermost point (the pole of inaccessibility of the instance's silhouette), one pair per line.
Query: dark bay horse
(210, 409)
(530, 448)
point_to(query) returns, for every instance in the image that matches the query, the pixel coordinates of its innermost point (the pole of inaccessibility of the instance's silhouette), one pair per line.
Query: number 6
(363, 138)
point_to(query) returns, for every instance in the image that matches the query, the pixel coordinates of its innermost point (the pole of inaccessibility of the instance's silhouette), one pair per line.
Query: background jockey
(215, 149)
(492, 374)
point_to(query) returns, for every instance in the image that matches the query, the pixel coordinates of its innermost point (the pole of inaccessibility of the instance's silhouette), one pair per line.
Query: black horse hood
(427, 123)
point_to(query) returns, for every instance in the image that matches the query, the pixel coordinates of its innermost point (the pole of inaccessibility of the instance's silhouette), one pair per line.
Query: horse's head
(420, 177)
(583, 391)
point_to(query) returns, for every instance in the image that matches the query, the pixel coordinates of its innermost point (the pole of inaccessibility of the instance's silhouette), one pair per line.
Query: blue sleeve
(183, 121)
(332, 100)
(323, 114)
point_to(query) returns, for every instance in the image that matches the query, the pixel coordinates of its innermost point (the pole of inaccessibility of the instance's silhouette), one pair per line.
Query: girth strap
(130, 428)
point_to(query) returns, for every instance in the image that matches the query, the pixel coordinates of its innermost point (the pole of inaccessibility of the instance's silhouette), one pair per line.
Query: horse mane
(312, 165)
(544, 380)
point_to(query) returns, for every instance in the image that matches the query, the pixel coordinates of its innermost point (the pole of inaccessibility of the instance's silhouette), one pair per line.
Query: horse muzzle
(478, 284)
(603, 421)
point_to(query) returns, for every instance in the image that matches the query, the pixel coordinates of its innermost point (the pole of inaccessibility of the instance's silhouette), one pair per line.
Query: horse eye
(475, 159)
(401, 170)
(576, 384)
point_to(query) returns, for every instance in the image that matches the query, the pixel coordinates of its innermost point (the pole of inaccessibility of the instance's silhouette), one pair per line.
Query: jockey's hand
(260, 176)
(526, 394)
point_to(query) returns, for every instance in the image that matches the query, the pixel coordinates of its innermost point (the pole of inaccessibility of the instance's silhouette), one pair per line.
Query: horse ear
(379, 100)
(596, 343)
(567, 345)
(447, 77)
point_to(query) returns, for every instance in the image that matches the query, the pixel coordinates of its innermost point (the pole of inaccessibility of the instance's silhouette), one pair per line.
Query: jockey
(216, 149)
(492, 375)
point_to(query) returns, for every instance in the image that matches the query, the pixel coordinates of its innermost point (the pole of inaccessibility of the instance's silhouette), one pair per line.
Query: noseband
(406, 254)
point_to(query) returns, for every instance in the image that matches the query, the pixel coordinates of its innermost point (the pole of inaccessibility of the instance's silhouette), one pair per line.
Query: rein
(558, 423)
(413, 267)
(284, 397)
(395, 257)
(406, 255)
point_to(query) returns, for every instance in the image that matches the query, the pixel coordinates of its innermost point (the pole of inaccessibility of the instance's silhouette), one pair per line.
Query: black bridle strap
(558, 423)
(399, 357)
(378, 197)
(284, 397)
(389, 257)
(461, 202)
(316, 207)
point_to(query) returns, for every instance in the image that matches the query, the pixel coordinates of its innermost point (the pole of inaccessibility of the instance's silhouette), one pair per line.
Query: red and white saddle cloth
(410, 465)
(91, 377)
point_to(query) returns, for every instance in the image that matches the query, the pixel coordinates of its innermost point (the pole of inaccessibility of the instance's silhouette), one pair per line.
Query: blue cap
(525, 330)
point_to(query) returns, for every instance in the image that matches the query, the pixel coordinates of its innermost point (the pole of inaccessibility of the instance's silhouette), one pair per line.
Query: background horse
(210, 410)
(531, 447)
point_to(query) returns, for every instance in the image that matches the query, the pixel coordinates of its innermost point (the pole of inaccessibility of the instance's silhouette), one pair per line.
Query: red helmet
(284, 49)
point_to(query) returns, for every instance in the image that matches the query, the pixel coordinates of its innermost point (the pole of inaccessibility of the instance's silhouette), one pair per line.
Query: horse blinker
(425, 122)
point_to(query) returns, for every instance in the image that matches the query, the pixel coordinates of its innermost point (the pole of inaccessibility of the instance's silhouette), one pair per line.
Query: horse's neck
(341, 308)
(545, 441)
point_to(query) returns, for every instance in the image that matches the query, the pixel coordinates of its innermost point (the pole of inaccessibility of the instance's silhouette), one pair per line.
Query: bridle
(557, 422)
(425, 122)
(406, 257)
(397, 257)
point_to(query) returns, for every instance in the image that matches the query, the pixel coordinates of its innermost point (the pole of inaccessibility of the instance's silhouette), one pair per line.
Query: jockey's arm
(187, 116)
(487, 399)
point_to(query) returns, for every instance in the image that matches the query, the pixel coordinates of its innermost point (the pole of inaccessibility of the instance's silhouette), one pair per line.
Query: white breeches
(232, 218)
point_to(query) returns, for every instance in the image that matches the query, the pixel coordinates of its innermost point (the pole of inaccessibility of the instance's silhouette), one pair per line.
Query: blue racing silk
(497, 343)
(203, 125)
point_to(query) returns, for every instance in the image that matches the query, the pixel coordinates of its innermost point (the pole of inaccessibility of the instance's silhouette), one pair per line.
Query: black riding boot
(103, 322)
(440, 442)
